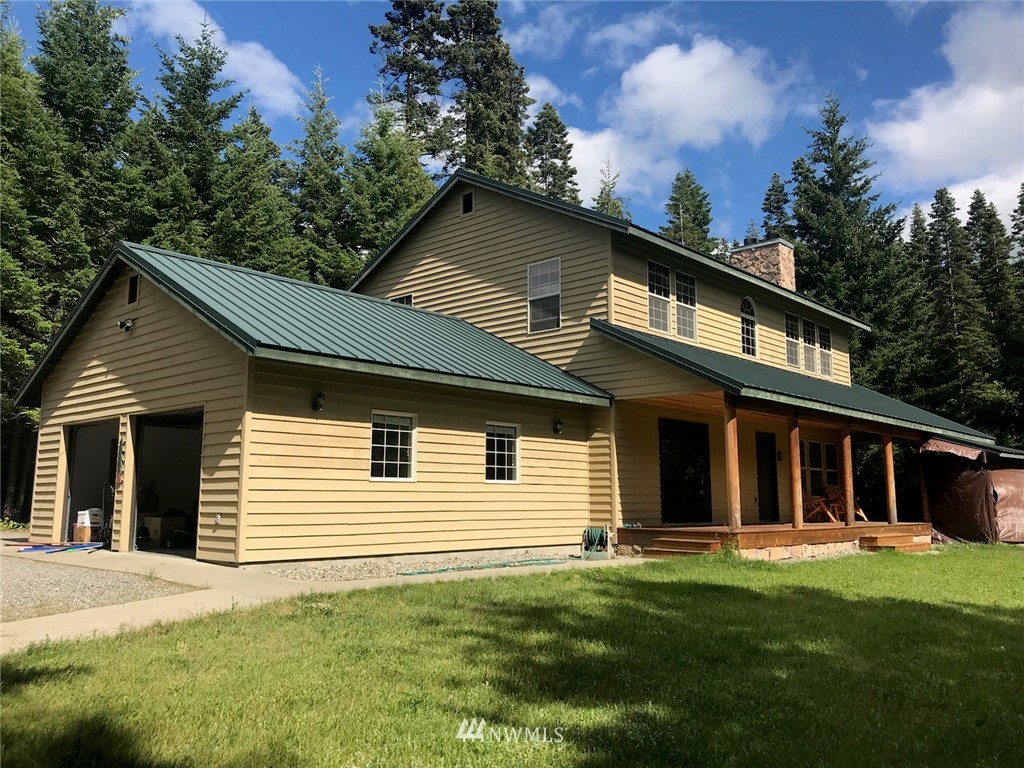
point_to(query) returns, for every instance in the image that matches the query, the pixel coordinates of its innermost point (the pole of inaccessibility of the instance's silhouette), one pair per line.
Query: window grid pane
(686, 290)
(825, 343)
(501, 453)
(657, 313)
(544, 288)
(544, 279)
(748, 328)
(792, 341)
(391, 446)
(686, 322)
(659, 280)
(545, 313)
(810, 344)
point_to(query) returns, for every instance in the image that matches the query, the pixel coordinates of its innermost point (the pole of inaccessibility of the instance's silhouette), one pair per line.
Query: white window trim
(398, 299)
(822, 352)
(519, 464)
(414, 446)
(667, 299)
(529, 306)
(757, 339)
(678, 304)
(798, 340)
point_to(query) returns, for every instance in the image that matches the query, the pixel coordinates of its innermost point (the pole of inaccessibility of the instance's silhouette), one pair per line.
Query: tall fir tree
(689, 214)
(961, 345)
(86, 82)
(778, 221)
(490, 98)
(550, 157)
(409, 43)
(323, 220)
(387, 184)
(607, 200)
(253, 225)
(917, 244)
(1017, 229)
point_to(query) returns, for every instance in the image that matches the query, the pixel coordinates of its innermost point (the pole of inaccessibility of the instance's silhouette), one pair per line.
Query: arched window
(748, 327)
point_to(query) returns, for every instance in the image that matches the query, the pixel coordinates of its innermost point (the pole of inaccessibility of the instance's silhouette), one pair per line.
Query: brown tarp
(1008, 485)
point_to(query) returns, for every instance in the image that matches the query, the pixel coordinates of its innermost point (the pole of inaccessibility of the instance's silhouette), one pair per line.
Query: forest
(88, 160)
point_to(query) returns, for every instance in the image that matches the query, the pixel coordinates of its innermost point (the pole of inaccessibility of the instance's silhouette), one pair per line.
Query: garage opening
(168, 466)
(93, 461)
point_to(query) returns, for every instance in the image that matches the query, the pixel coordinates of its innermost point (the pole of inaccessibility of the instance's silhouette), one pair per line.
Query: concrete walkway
(219, 588)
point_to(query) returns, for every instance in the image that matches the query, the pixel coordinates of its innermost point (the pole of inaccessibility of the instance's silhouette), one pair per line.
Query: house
(507, 372)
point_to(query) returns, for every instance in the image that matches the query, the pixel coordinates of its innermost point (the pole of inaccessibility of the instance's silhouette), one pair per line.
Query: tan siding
(718, 318)
(171, 361)
(309, 489)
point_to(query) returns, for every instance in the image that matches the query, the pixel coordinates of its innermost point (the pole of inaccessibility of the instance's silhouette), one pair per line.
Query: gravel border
(32, 588)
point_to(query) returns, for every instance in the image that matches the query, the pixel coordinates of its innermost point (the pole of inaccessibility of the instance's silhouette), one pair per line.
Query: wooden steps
(676, 546)
(894, 543)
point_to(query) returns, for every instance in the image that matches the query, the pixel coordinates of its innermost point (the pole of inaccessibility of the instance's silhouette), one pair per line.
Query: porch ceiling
(761, 382)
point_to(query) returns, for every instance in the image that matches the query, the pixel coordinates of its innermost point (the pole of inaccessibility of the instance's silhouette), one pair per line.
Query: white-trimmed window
(748, 327)
(819, 463)
(502, 453)
(544, 292)
(810, 346)
(686, 306)
(659, 293)
(392, 446)
(792, 341)
(133, 289)
(825, 349)
(405, 299)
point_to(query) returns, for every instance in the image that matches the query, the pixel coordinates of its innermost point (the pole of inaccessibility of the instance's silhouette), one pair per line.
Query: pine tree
(960, 344)
(253, 226)
(607, 201)
(386, 181)
(753, 232)
(85, 81)
(551, 169)
(485, 125)
(1017, 229)
(917, 245)
(323, 219)
(689, 214)
(410, 45)
(778, 222)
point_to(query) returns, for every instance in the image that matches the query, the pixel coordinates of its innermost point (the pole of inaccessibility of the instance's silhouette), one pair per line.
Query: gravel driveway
(33, 588)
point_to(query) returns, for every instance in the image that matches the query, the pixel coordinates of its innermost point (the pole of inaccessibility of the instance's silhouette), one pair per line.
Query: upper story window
(502, 453)
(825, 345)
(391, 446)
(748, 327)
(810, 346)
(467, 202)
(686, 306)
(792, 341)
(659, 292)
(405, 299)
(133, 289)
(544, 294)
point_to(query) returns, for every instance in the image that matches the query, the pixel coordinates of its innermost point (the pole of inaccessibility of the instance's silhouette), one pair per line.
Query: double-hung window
(659, 292)
(825, 347)
(686, 306)
(392, 444)
(810, 346)
(502, 453)
(748, 328)
(792, 341)
(544, 293)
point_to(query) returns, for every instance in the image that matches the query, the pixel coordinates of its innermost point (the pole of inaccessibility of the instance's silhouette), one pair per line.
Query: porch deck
(767, 536)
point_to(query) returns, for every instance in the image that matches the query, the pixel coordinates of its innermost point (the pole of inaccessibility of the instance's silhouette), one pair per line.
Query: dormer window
(748, 327)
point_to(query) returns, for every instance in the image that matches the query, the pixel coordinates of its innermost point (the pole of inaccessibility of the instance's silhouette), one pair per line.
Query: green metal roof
(628, 234)
(747, 378)
(290, 320)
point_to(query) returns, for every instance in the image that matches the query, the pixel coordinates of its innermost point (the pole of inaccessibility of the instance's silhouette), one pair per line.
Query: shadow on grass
(665, 672)
(13, 677)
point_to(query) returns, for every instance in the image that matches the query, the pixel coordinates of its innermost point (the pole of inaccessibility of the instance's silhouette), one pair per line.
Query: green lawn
(893, 660)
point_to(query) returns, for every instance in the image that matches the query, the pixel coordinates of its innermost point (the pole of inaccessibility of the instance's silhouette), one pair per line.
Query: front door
(685, 459)
(767, 478)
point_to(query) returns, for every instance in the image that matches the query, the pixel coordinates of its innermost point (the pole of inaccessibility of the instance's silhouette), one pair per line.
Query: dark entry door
(685, 458)
(767, 478)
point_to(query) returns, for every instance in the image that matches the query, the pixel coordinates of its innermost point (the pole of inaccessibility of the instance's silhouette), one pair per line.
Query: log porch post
(732, 463)
(795, 480)
(846, 457)
(890, 479)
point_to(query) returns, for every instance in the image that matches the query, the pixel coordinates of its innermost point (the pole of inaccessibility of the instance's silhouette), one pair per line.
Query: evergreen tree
(689, 214)
(386, 181)
(253, 226)
(607, 201)
(960, 343)
(85, 81)
(917, 245)
(485, 126)
(1017, 231)
(753, 233)
(410, 45)
(323, 218)
(778, 222)
(551, 169)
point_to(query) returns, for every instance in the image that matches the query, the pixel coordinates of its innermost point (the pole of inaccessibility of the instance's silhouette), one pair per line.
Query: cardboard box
(161, 527)
(83, 534)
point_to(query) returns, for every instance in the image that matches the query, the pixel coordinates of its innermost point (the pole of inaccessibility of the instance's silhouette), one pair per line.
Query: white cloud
(272, 85)
(616, 43)
(972, 126)
(549, 34)
(542, 89)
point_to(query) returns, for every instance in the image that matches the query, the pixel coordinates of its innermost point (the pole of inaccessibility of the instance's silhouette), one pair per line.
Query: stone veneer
(772, 260)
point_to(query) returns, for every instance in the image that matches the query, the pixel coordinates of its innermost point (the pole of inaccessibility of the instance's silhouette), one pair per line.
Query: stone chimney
(771, 260)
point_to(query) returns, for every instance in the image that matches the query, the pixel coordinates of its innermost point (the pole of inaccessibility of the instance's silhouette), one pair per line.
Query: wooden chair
(837, 503)
(817, 505)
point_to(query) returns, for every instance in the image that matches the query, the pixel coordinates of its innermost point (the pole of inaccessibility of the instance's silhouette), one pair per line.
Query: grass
(872, 660)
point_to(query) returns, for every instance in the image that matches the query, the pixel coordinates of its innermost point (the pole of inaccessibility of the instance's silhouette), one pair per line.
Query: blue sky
(724, 88)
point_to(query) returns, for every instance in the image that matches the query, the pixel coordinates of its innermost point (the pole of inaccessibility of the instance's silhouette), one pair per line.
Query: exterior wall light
(557, 427)
(318, 401)
(126, 325)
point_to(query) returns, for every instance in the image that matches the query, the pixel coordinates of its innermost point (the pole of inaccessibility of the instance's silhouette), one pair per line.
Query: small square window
(467, 202)
(133, 289)
(391, 446)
